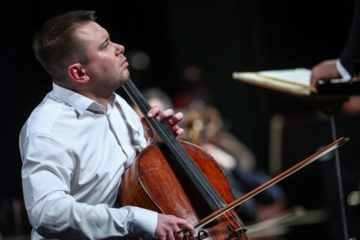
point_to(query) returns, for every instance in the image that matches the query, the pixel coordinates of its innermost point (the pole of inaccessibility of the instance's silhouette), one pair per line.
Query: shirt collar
(79, 102)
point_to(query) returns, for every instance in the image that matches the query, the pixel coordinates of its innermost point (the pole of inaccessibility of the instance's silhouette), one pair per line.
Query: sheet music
(294, 81)
(297, 75)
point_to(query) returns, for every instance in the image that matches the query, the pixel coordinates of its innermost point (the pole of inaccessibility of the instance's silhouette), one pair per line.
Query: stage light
(354, 198)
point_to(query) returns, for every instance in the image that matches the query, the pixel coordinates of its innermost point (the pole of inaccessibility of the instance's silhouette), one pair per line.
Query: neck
(100, 99)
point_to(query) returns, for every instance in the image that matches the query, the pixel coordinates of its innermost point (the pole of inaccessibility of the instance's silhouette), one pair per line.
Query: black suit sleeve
(351, 52)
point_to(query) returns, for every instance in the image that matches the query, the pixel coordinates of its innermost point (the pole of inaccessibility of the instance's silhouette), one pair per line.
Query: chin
(123, 80)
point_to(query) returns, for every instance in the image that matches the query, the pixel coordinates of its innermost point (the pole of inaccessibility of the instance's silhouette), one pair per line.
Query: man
(78, 142)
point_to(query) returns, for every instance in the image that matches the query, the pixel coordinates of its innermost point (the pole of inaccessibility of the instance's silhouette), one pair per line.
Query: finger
(147, 127)
(313, 81)
(167, 114)
(188, 226)
(179, 234)
(179, 132)
(145, 123)
(153, 111)
(170, 236)
(177, 118)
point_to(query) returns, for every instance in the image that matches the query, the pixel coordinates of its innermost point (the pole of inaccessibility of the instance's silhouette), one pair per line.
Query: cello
(179, 178)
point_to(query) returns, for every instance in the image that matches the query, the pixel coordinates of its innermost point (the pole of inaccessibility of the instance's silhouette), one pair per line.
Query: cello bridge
(237, 233)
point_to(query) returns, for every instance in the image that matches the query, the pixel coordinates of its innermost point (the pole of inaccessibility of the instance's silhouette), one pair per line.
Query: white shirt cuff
(343, 72)
(144, 223)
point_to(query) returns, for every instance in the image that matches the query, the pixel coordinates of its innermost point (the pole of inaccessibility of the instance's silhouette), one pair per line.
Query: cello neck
(140, 101)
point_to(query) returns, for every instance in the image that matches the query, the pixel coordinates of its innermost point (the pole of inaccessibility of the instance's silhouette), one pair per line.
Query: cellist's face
(107, 66)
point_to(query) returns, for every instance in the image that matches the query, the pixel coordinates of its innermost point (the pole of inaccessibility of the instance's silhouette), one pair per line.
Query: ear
(78, 73)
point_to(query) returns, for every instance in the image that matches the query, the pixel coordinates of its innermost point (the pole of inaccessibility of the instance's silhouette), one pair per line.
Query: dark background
(218, 37)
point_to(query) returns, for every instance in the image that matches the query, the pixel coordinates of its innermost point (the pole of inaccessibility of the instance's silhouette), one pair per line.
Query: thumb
(147, 127)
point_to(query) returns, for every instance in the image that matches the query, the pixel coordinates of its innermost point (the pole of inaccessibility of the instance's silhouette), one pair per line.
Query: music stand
(327, 98)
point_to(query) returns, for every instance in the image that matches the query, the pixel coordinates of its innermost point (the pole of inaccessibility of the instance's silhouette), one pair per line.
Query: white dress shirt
(74, 154)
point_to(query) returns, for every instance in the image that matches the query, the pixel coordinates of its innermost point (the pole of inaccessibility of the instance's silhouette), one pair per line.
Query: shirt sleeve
(54, 213)
(343, 72)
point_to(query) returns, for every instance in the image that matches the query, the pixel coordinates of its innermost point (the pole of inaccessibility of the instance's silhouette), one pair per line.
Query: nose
(120, 49)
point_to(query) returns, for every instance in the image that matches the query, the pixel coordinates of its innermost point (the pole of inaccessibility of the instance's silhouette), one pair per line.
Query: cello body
(154, 185)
